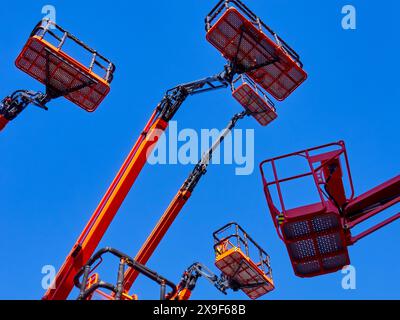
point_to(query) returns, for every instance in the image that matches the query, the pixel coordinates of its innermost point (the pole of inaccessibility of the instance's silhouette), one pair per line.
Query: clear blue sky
(56, 166)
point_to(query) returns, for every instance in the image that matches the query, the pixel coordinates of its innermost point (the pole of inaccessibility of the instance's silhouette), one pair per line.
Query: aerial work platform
(233, 247)
(253, 48)
(255, 102)
(44, 59)
(317, 235)
(315, 240)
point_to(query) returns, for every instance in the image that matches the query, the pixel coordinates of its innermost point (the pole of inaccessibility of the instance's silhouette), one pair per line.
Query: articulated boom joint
(11, 106)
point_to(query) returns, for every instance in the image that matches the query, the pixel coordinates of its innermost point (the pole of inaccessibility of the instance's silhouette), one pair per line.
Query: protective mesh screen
(316, 244)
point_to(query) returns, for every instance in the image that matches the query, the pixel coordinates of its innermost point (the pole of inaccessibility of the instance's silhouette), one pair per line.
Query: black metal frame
(117, 289)
(226, 4)
(198, 270)
(44, 27)
(11, 106)
(201, 167)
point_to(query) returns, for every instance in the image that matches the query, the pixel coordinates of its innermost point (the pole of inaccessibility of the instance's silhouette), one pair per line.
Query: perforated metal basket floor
(263, 112)
(62, 74)
(240, 268)
(316, 244)
(240, 41)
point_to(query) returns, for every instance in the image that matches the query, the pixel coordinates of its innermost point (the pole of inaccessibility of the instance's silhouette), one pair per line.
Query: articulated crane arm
(190, 278)
(177, 204)
(126, 177)
(11, 106)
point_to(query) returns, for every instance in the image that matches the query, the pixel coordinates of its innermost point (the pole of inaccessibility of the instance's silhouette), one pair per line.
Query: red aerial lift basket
(317, 235)
(268, 60)
(255, 101)
(232, 247)
(43, 58)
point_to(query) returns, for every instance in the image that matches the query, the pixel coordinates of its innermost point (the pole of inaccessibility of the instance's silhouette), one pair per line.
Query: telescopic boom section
(177, 204)
(126, 177)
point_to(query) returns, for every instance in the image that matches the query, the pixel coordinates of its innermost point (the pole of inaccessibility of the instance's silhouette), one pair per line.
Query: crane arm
(177, 204)
(190, 278)
(126, 177)
(11, 106)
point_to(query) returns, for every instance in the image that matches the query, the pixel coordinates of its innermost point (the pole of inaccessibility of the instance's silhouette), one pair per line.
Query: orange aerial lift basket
(254, 48)
(234, 250)
(44, 58)
(317, 235)
(255, 101)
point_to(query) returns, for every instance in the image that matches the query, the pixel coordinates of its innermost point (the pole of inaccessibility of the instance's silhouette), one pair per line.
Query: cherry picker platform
(254, 48)
(234, 250)
(44, 59)
(317, 235)
(173, 99)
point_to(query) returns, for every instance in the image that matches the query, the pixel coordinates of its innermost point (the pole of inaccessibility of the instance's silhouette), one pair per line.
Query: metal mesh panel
(241, 42)
(296, 229)
(257, 105)
(302, 249)
(236, 266)
(62, 74)
(316, 244)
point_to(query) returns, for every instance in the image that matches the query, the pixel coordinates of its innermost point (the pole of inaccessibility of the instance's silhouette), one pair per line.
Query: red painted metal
(3, 122)
(317, 235)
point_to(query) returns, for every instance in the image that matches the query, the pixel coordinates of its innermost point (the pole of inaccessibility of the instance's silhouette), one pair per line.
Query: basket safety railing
(47, 27)
(314, 172)
(243, 79)
(317, 164)
(224, 5)
(232, 236)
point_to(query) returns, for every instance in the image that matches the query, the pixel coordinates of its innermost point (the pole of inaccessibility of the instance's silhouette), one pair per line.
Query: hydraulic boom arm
(126, 177)
(177, 204)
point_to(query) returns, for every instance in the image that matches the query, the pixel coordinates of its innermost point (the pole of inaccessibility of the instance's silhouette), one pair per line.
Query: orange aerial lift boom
(117, 192)
(176, 205)
(126, 177)
(262, 109)
(252, 49)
